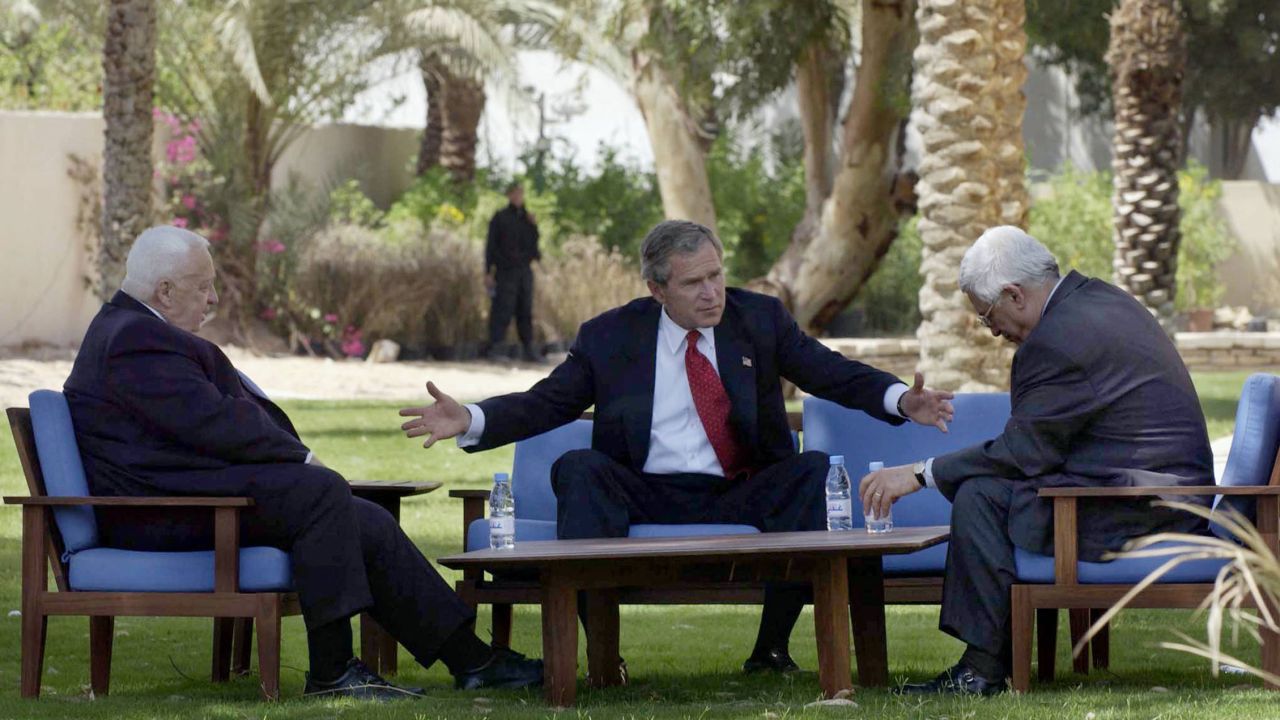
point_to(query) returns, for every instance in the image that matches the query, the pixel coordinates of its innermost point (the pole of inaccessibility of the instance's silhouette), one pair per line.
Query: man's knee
(324, 487)
(578, 468)
(374, 520)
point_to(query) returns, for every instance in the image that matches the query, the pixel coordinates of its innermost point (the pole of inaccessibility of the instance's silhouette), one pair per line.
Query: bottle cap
(501, 477)
(875, 465)
(837, 459)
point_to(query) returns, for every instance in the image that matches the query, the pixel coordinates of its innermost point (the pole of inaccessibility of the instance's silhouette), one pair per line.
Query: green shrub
(618, 203)
(1071, 215)
(350, 206)
(889, 300)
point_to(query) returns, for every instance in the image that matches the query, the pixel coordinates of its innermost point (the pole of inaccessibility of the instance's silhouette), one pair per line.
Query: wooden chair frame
(1036, 602)
(42, 549)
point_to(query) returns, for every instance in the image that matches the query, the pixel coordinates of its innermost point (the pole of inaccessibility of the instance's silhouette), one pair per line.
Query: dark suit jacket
(151, 402)
(612, 366)
(1100, 397)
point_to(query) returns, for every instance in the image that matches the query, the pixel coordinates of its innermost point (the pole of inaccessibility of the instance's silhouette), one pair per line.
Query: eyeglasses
(985, 318)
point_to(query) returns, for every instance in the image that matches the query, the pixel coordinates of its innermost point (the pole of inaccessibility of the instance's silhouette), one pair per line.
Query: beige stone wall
(1251, 275)
(43, 261)
(1200, 351)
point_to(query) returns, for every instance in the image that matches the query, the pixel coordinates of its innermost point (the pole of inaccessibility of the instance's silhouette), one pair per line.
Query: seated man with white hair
(160, 411)
(1100, 398)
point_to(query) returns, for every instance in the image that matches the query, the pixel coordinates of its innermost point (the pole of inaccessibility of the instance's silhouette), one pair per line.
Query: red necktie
(712, 403)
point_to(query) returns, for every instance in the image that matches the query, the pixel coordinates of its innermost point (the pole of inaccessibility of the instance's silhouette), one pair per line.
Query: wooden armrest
(466, 494)
(210, 502)
(1102, 492)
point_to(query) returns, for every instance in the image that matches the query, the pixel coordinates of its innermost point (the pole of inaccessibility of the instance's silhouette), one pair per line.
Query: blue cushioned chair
(837, 430)
(1062, 581)
(225, 583)
(536, 520)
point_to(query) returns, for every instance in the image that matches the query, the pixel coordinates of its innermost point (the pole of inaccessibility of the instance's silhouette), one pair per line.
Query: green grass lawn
(683, 660)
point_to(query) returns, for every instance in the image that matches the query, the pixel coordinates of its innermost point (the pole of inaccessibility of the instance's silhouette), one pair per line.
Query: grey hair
(670, 237)
(1005, 255)
(156, 255)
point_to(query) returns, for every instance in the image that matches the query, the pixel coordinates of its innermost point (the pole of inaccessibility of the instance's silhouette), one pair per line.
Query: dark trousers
(598, 497)
(980, 569)
(513, 295)
(347, 555)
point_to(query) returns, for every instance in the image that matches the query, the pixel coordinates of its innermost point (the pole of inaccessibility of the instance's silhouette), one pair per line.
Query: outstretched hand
(928, 407)
(440, 421)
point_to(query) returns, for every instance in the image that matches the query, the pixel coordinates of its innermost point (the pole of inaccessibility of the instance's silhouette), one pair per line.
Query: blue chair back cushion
(60, 463)
(262, 569)
(1254, 442)
(837, 430)
(531, 475)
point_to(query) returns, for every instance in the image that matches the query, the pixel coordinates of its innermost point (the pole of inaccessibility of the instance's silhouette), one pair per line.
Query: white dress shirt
(249, 385)
(677, 440)
(928, 464)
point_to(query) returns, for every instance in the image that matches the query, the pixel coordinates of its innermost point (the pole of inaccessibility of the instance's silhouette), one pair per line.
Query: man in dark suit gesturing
(160, 411)
(1100, 397)
(690, 424)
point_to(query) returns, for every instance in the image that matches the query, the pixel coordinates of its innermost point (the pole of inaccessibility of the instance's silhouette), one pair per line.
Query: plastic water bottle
(876, 525)
(839, 503)
(502, 514)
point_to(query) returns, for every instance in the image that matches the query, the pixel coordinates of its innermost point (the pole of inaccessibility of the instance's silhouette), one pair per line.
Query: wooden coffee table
(844, 567)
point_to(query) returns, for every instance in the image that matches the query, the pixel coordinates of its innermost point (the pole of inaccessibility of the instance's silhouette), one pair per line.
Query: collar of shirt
(674, 336)
(153, 310)
(1051, 292)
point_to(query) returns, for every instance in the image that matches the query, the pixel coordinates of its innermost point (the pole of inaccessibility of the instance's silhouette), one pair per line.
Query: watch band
(918, 470)
(901, 412)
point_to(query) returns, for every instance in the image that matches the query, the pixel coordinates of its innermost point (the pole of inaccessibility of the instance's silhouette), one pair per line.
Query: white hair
(156, 255)
(1005, 255)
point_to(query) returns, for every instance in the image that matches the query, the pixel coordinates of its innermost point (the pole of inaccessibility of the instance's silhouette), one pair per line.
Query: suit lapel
(736, 361)
(639, 350)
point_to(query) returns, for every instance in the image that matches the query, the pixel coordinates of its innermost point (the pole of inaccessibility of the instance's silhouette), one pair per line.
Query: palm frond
(234, 29)
(462, 39)
(1245, 590)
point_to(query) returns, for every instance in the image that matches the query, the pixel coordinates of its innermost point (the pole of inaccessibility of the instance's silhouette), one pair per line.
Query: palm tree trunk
(463, 105)
(818, 275)
(678, 142)
(968, 92)
(128, 70)
(433, 133)
(1146, 58)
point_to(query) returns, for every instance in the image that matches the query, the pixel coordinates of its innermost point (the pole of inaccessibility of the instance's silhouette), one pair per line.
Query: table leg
(831, 625)
(866, 599)
(378, 649)
(604, 664)
(559, 640)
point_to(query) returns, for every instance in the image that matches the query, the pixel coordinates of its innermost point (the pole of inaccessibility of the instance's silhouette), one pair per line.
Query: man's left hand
(882, 488)
(928, 407)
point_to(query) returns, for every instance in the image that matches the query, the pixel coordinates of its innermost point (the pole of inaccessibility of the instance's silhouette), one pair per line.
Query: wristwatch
(918, 469)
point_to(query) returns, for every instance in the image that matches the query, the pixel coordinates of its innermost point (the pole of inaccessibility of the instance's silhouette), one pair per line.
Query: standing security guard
(511, 246)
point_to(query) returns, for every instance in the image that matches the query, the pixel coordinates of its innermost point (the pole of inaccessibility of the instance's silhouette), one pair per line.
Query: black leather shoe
(960, 679)
(776, 660)
(506, 669)
(361, 683)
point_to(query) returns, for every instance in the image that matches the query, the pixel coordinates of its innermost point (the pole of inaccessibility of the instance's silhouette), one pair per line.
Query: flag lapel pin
(746, 361)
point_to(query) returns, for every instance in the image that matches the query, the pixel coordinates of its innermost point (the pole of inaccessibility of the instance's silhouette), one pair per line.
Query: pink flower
(352, 346)
(181, 150)
(331, 318)
(189, 202)
(180, 222)
(272, 247)
(217, 235)
(268, 314)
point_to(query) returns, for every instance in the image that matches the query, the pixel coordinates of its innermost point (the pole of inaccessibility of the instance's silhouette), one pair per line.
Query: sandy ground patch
(292, 377)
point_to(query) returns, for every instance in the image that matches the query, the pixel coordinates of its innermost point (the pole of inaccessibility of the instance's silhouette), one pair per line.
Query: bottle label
(840, 508)
(502, 526)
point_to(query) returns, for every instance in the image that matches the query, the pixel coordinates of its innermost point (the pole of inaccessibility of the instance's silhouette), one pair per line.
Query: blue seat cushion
(534, 530)
(930, 561)
(1033, 568)
(699, 530)
(526, 531)
(262, 569)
